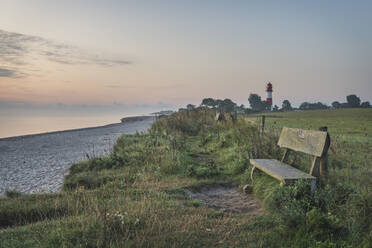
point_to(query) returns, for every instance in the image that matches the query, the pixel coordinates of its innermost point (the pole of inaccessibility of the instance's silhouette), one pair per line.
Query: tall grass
(134, 197)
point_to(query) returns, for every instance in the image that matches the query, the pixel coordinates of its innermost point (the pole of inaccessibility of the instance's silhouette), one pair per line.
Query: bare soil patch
(227, 198)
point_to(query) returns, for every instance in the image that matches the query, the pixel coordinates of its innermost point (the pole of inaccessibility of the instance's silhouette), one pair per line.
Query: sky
(168, 53)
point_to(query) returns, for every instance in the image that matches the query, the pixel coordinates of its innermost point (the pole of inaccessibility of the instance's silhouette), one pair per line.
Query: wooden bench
(315, 143)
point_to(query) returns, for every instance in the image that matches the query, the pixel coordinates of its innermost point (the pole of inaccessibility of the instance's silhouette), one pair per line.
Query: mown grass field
(350, 123)
(135, 197)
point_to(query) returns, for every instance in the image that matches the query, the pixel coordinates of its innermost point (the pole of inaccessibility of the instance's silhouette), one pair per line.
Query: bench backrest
(306, 141)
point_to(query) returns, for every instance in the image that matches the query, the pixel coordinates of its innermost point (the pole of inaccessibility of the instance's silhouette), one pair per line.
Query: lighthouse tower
(269, 90)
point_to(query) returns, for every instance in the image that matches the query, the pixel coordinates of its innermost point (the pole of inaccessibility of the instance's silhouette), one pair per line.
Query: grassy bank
(135, 196)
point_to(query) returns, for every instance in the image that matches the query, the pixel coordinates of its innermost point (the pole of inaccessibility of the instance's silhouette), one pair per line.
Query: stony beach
(38, 163)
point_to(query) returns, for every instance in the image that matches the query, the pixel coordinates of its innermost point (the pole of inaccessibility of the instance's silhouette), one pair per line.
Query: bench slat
(279, 170)
(307, 141)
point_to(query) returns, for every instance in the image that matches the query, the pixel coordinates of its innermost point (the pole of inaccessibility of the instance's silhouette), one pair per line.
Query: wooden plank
(306, 141)
(323, 165)
(279, 170)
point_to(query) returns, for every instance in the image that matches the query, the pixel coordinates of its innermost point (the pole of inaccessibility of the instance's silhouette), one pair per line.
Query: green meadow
(351, 138)
(137, 195)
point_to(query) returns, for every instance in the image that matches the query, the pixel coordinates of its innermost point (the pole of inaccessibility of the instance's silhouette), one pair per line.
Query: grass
(134, 197)
(351, 139)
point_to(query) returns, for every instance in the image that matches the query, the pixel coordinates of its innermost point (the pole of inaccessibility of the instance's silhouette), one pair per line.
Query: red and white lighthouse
(269, 90)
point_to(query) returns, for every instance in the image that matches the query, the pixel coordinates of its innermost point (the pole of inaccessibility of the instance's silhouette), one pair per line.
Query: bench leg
(254, 167)
(312, 186)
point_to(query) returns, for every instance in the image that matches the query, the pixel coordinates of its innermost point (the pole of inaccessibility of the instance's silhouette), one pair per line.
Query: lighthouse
(269, 90)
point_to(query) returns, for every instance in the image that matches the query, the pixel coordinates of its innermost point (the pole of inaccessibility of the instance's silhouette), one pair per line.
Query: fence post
(323, 168)
(262, 126)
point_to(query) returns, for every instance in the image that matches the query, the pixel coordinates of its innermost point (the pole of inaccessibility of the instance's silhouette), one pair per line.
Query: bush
(87, 179)
(12, 193)
(94, 164)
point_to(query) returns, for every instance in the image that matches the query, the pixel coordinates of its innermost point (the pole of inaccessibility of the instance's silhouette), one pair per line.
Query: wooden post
(285, 155)
(323, 167)
(314, 170)
(262, 126)
(234, 116)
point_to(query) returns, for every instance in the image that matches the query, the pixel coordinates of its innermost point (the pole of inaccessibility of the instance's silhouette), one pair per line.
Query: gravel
(38, 163)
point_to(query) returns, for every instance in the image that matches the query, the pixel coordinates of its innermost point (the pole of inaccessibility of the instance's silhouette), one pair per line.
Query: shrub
(94, 164)
(12, 193)
(87, 179)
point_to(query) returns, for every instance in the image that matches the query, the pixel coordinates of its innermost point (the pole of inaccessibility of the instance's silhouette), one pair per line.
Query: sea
(23, 125)
(38, 163)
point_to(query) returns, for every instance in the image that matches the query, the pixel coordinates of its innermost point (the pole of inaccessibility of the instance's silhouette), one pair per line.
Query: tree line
(259, 105)
(352, 101)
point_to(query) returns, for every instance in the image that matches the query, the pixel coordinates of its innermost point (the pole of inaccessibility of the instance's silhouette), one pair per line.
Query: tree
(336, 105)
(344, 105)
(219, 104)
(248, 111)
(228, 105)
(311, 106)
(209, 102)
(353, 101)
(286, 106)
(365, 105)
(225, 105)
(276, 108)
(240, 109)
(266, 105)
(255, 102)
(305, 106)
(320, 105)
(190, 106)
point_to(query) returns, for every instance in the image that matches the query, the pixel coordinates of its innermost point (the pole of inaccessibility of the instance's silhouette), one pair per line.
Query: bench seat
(281, 171)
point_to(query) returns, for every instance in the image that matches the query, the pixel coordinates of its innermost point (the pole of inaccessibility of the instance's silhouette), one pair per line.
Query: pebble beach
(38, 163)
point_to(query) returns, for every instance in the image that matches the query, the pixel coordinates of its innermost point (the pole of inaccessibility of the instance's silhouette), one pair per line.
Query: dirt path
(225, 198)
(229, 199)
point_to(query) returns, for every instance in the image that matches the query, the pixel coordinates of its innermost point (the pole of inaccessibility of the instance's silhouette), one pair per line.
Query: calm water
(16, 125)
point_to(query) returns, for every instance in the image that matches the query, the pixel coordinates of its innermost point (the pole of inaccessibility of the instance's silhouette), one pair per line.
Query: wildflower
(136, 221)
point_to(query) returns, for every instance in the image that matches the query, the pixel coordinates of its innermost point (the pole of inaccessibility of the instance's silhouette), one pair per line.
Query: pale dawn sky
(179, 52)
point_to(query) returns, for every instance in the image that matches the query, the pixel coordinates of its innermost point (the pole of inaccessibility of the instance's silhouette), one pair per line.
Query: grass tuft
(136, 196)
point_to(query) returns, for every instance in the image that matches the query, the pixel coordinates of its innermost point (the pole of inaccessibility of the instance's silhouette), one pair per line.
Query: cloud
(10, 73)
(61, 109)
(153, 87)
(19, 50)
(7, 73)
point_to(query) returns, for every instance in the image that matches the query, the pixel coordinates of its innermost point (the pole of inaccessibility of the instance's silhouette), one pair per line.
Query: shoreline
(38, 163)
(141, 118)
